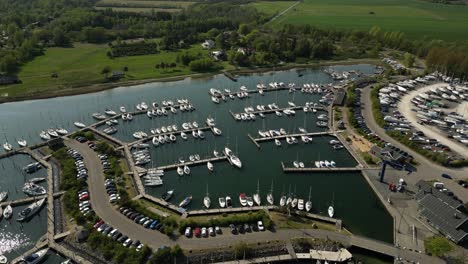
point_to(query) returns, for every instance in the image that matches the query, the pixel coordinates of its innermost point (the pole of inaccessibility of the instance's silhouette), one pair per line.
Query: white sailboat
(180, 171)
(256, 196)
(308, 204)
(270, 199)
(7, 146)
(186, 170)
(222, 202)
(22, 143)
(300, 204)
(210, 166)
(206, 199)
(331, 209)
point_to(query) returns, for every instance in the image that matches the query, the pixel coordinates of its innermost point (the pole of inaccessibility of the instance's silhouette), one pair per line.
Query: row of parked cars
(81, 170)
(141, 219)
(213, 231)
(116, 235)
(84, 202)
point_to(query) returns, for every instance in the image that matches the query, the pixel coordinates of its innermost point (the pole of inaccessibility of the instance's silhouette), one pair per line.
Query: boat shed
(441, 212)
(340, 96)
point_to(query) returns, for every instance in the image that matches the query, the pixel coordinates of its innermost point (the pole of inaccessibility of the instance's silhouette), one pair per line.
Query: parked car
(445, 175)
(197, 232)
(188, 231)
(233, 228)
(260, 226)
(204, 232)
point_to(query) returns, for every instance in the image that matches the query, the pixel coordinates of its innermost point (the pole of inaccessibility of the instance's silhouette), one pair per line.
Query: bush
(438, 246)
(133, 49)
(201, 65)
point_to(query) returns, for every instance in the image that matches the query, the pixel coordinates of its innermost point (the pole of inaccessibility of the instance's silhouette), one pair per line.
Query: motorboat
(334, 142)
(317, 164)
(180, 171)
(250, 201)
(207, 201)
(155, 141)
(62, 131)
(129, 117)
(167, 195)
(3, 259)
(243, 199)
(7, 146)
(68, 261)
(110, 112)
(296, 164)
(301, 164)
(201, 134)
(183, 135)
(294, 202)
(327, 163)
(33, 189)
(31, 210)
(300, 204)
(35, 257)
(216, 153)
(217, 131)
(44, 135)
(172, 137)
(79, 125)
(222, 202)
(338, 147)
(210, 166)
(308, 206)
(283, 200)
(332, 164)
(98, 116)
(52, 133)
(215, 99)
(123, 109)
(195, 133)
(8, 212)
(3, 196)
(36, 180)
(22, 143)
(110, 130)
(228, 201)
(289, 200)
(32, 167)
(233, 158)
(331, 211)
(186, 201)
(277, 142)
(186, 170)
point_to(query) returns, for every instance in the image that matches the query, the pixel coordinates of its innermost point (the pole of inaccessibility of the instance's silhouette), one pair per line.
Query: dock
(22, 201)
(311, 134)
(337, 222)
(229, 210)
(187, 131)
(192, 163)
(326, 169)
(272, 111)
(253, 140)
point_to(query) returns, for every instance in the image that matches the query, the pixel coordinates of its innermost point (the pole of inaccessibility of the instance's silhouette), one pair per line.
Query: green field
(82, 65)
(416, 19)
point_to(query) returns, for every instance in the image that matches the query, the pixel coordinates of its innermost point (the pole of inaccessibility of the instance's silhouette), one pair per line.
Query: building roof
(427, 188)
(444, 218)
(339, 97)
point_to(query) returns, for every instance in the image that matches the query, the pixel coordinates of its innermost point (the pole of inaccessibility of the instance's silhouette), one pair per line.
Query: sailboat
(270, 199)
(206, 199)
(256, 196)
(3, 196)
(228, 201)
(308, 204)
(167, 195)
(8, 212)
(277, 142)
(210, 166)
(22, 143)
(186, 170)
(7, 146)
(180, 171)
(331, 210)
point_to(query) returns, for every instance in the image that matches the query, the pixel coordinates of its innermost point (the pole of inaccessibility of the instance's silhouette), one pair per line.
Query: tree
(244, 29)
(201, 65)
(408, 59)
(8, 64)
(438, 246)
(60, 38)
(106, 70)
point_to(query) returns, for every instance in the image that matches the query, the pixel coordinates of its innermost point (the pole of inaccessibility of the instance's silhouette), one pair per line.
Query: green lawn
(273, 7)
(82, 65)
(416, 18)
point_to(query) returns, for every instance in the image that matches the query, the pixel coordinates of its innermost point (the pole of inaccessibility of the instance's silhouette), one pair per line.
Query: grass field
(415, 18)
(141, 6)
(82, 65)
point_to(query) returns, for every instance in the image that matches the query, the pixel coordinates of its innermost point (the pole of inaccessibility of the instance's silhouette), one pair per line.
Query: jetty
(272, 111)
(324, 169)
(22, 201)
(192, 163)
(311, 134)
(229, 210)
(187, 131)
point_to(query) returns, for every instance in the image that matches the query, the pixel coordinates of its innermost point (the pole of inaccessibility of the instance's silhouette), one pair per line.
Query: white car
(127, 242)
(260, 226)
(188, 231)
(204, 232)
(139, 247)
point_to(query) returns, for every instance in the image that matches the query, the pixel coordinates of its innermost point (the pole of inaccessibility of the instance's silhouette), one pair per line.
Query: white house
(208, 44)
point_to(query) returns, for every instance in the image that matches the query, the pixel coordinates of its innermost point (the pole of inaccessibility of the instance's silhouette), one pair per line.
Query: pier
(23, 201)
(229, 210)
(325, 169)
(272, 111)
(175, 133)
(311, 134)
(192, 163)
(106, 136)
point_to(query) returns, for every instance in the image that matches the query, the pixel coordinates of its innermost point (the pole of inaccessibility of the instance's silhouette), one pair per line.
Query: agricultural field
(143, 6)
(82, 65)
(417, 19)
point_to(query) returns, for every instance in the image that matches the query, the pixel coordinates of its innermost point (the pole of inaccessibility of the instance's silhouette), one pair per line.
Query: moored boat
(31, 210)
(22, 143)
(79, 125)
(243, 199)
(167, 195)
(33, 189)
(8, 212)
(3, 196)
(35, 257)
(186, 201)
(222, 202)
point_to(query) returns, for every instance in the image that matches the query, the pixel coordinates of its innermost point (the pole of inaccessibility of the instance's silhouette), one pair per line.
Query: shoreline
(99, 87)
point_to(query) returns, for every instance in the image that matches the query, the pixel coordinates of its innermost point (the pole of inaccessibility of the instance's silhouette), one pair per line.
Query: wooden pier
(22, 201)
(272, 111)
(229, 210)
(312, 169)
(192, 163)
(175, 133)
(106, 136)
(253, 140)
(311, 134)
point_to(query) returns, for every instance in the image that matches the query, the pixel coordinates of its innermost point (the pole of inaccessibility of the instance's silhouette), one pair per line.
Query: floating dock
(192, 163)
(311, 134)
(313, 169)
(175, 133)
(229, 210)
(272, 111)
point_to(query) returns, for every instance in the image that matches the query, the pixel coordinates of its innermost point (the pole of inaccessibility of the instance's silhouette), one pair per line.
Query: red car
(84, 197)
(197, 232)
(98, 224)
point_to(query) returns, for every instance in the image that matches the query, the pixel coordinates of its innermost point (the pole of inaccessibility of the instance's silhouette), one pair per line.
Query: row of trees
(122, 49)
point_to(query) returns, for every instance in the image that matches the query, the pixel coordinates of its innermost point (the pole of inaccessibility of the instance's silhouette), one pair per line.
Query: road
(154, 239)
(427, 169)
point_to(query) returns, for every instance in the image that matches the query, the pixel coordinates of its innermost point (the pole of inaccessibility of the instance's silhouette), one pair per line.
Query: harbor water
(353, 200)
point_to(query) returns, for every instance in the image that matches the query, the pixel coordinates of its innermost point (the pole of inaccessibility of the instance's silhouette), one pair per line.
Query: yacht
(44, 135)
(183, 135)
(36, 257)
(7, 146)
(222, 202)
(31, 210)
(79, 125)
(8, 212)
(37, 180)
(167, 195)
(217, 131)
(3, 259)
(206, 199)
(33, 189)
(215, 99)
(294, 202)
(155, 141)
(210, 166)
(98, 116)
(233, 158)
(22, 143)
(186, 201)
(32, 167)
(52, 132)
(110, 112)
(3, 196)
(256, 196)
(243, 199)
(180, 171)
(110, 130)
(250, 201)
(62, 131)
(186, 170)
(296, 164)
(123, 109)
(228, 201)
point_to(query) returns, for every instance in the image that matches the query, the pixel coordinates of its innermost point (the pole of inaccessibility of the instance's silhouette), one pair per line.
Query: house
(208, 44)
(390, 153)
(218, 55)
(116, 75)
(245, 51)
(340, 96)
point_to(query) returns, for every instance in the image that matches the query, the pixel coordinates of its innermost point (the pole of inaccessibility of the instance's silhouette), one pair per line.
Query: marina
(224, 180)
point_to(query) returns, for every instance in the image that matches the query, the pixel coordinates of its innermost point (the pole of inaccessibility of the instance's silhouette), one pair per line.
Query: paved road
(105, 210)
(427, 169)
